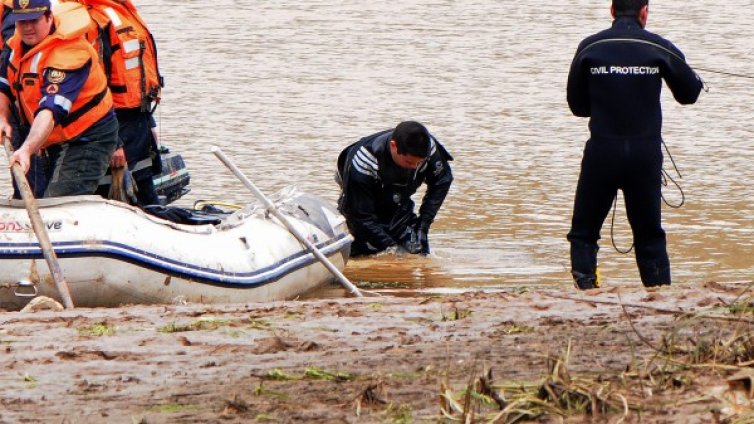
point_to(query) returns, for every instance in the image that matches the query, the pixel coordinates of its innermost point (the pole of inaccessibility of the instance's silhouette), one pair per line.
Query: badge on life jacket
(55, 76)
(53, 89)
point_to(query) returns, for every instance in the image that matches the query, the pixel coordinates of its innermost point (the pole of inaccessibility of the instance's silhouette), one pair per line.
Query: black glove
(411, 242)
(422, 235)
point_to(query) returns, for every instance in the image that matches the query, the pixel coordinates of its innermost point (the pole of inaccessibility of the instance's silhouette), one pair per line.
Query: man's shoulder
(364, 163)
(605, 33)
(70, 54)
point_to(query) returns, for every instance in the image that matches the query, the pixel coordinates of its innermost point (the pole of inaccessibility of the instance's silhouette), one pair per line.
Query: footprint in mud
(653, 297)
(708, 301)
(278, 344)
(93, 355)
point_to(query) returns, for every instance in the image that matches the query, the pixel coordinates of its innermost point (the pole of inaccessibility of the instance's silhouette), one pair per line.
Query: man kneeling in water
(379, 174)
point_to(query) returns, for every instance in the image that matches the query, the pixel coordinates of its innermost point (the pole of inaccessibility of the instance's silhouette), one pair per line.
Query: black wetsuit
(376, 193)
(615, 80)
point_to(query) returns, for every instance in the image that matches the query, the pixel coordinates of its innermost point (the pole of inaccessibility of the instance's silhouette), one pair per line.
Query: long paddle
(39, 228)
(282, 218)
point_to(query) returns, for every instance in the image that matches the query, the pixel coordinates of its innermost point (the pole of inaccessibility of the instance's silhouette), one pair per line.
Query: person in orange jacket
(129, 57)
(55, 77)
(36, 175)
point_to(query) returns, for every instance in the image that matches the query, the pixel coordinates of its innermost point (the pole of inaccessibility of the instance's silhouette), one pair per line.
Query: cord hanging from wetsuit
(665, 178)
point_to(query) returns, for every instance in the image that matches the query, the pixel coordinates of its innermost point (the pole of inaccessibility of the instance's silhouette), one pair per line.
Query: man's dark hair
(628, 7)
(411, 138)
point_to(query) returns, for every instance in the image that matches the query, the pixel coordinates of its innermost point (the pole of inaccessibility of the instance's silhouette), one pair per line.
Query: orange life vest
(133, 73)
(61, 50)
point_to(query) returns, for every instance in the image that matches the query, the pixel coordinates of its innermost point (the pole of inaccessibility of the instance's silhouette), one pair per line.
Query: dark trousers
(633, 166)
(135, 133)
(37, 174)
(78, 165)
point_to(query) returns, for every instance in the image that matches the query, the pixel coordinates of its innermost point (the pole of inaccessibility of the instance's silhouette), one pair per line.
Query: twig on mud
(372, 395)
(608, 302)
(631, 323)
(654, 308)
(235, 406)
(667, 352)
(745, 290)
(486, 389)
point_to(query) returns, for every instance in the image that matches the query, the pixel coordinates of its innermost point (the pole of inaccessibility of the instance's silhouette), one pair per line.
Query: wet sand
(665, 355)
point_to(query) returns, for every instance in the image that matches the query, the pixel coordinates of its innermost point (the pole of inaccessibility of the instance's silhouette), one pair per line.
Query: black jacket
(376, 192)
(616, 77)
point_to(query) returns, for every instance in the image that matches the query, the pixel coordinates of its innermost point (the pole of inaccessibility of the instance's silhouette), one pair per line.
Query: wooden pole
(273, 209)
(39, 228)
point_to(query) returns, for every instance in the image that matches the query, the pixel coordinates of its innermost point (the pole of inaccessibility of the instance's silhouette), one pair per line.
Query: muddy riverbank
(664, 356)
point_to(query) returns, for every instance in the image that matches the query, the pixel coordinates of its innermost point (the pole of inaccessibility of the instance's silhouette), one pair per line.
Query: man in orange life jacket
(54, 75)
(129, 57)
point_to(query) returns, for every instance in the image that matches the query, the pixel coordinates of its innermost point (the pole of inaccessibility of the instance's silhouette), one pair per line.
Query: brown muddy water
(282, 87)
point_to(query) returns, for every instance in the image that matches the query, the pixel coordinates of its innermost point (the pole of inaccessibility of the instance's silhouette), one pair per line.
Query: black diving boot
(586, 281)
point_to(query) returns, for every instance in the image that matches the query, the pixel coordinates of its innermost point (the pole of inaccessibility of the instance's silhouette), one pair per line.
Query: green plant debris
(315, 373)
(259, 324)
(456, 314)
(710, 347)
(514, 328)
(172, 408)
(376, 285)
(98, 329)
(292, 315)
(260, 390)
(399, 414)
(278, 374)
(199, 325)
(742, 308)
(557, 394)
(311, 373)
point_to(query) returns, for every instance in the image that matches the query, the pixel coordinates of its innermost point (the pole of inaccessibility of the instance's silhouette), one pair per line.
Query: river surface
(283, 86)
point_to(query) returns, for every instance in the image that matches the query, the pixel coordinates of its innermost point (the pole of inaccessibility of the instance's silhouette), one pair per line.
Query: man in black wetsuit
(379, 174)
(615, 80)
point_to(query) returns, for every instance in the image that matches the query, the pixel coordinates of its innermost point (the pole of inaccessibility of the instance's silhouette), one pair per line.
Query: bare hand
(119, 159)
(21, 157)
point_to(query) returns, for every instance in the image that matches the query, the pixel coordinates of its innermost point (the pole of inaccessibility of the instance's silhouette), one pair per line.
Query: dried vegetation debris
(677, 355)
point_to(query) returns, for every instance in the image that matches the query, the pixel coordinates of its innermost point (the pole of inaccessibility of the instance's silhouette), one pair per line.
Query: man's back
(616, 78)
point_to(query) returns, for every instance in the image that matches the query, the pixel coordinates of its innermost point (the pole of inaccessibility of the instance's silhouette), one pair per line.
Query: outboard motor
(173, 182)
